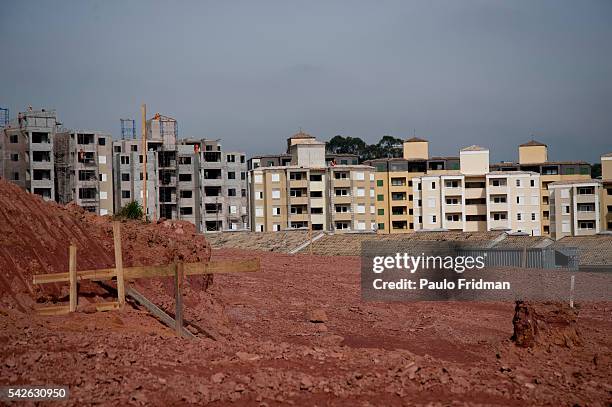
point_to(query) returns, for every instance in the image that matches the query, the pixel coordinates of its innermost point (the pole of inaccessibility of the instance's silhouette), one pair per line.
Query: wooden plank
(129, 273)
(65, 309)
(53, 310)
(73, 278)
(119, 262)
(155, 310)
(178, 294)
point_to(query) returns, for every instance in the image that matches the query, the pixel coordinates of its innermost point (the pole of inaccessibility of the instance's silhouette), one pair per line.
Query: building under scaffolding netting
(162, 133)
(83, 162)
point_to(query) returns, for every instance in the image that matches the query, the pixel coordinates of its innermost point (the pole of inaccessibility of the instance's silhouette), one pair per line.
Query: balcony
(298, 200)
(478, 209)
(475, 193)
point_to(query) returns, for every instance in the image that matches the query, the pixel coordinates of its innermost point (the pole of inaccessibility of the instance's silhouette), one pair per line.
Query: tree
(387, 147)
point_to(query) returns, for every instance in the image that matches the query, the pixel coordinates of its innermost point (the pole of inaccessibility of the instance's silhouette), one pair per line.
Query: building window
(381, 226)
(518, 182)
(15, 176)
(533, 216)
(316, 194)
(452, 184)
(433, 185)
(381, 212)
(231, 158)
(125, 176)
(125, 194)
(231, 192)
(452, 201)
(499, 216)
(185, 177)
(102, 141)
(186, 194)
(231, 175)
(316, 177)
(379, 183)
(452, 218)
(276, 211)
(588, 225)
(14, 139)
(341, 175)
(532, 183)
(518, 216)
(380, 197)
(14, 157)
(187, 210)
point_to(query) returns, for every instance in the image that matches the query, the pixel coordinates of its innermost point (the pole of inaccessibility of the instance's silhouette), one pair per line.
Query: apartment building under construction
(310, 192)
(188, 179)
(83, 170)
(26, 152)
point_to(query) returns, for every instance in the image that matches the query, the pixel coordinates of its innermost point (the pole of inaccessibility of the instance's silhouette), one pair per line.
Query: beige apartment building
(309, 193)
(575, 208)
(470, 207)
(394, 184)
(84, 170)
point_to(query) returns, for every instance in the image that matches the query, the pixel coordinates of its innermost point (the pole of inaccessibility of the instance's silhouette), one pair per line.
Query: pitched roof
(415, 140)
(474, 148)
(532, 143)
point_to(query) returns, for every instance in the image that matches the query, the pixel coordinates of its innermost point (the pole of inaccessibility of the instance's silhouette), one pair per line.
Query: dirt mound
(35, 236)
(545, 324)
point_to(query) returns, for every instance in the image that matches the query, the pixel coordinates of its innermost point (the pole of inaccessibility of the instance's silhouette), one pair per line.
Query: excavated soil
(272, 353)
(296, 333)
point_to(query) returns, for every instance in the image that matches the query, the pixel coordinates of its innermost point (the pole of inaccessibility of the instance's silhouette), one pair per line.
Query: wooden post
(178, 293)
(119, 262)
(73, 277)
(572, 283)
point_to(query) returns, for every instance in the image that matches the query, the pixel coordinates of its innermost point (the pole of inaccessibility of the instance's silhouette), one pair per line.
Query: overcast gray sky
(252, 72)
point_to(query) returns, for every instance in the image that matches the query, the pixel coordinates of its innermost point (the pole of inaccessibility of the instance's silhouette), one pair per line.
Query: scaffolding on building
(63, 168)
(128, 129)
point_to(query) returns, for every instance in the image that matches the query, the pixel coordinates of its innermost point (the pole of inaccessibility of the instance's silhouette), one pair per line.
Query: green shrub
(133, 210)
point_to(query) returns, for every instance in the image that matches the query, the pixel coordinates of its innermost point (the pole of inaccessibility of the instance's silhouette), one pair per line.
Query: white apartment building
(575, 208)
(474, 199)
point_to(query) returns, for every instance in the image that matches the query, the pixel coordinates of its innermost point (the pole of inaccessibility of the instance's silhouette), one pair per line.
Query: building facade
(606, 193)
(84, 170)
(26, 152)
(311, 191)
(575, 208)
(187, 179)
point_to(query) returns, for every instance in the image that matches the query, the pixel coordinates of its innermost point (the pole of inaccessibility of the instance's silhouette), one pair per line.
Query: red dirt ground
(365, 354)
(270, 353)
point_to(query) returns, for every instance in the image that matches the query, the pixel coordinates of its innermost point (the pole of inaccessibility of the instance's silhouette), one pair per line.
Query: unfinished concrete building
(26, 152)
(83, 167)
(188, 179)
